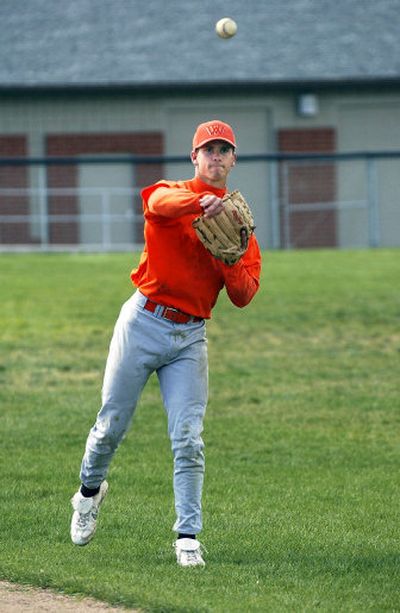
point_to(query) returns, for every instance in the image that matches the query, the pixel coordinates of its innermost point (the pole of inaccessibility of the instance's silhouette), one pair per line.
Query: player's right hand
(211, 205)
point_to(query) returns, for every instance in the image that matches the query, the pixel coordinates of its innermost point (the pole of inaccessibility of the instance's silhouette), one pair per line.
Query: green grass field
(301, 500)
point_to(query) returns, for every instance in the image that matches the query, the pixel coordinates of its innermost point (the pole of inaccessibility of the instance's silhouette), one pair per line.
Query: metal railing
(300, 200)
(101, 221)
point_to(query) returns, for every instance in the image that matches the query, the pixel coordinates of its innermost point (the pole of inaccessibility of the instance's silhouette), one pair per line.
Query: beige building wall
(370, 126)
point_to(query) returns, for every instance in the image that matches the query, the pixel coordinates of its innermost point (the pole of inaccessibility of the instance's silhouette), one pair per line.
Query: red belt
(178, 317)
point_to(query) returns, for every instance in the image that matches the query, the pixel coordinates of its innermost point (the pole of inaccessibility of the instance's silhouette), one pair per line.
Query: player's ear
(193, 156)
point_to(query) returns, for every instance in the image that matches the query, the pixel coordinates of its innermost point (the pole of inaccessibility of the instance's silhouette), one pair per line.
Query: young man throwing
(161, 329)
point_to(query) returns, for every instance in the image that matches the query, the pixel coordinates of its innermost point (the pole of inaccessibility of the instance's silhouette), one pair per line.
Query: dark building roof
(153, 43)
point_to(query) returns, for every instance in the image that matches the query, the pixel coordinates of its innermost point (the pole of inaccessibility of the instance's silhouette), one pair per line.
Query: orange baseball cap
(213, 130)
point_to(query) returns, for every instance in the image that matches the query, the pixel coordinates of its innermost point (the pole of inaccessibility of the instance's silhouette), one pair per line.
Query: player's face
(213, 162)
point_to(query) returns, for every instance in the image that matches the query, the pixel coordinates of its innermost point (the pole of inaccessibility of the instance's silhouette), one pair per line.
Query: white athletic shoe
(188, 552)
(86, 510)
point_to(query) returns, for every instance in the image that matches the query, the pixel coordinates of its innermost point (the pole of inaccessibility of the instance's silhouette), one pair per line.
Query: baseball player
(162, 329)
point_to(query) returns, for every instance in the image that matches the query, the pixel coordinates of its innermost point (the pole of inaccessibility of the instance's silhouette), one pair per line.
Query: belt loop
(159, 310)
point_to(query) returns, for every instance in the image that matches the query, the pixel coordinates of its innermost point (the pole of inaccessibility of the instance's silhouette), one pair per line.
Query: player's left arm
(242, 280)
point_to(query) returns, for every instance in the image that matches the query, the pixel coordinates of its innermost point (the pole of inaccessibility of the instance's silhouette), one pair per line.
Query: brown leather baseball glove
(227, 234)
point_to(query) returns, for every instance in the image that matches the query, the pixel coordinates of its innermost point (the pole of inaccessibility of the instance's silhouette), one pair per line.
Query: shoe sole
(191, 565)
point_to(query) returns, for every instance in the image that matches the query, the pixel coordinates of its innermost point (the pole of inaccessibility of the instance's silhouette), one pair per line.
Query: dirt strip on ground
(16, 598)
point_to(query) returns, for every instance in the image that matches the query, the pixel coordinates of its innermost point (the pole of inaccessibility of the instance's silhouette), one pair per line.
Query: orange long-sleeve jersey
(175, 269)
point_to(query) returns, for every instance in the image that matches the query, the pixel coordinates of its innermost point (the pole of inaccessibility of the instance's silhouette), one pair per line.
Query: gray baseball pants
(144, 343)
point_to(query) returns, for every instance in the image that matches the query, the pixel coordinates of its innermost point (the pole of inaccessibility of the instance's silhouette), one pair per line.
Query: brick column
(14, 177)
(309, 183)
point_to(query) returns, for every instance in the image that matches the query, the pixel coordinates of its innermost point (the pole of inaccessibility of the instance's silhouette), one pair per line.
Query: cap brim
(210, 140)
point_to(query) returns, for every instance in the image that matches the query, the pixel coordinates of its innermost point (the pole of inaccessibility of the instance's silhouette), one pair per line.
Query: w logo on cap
(215, 129)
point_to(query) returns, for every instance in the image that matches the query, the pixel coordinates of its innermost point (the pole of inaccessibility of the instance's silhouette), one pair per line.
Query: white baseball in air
(226, 27)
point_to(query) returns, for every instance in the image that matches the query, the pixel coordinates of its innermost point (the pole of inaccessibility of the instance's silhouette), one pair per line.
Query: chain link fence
(93, 204)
